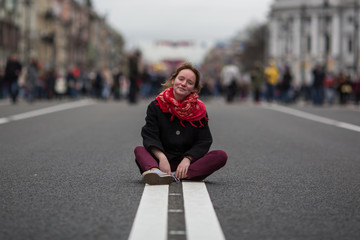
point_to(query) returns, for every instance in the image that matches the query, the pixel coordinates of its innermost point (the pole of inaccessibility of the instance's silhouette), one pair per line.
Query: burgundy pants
(198, 170)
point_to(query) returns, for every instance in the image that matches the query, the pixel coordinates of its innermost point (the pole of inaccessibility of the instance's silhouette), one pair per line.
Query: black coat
(12, 71)
(173, 139)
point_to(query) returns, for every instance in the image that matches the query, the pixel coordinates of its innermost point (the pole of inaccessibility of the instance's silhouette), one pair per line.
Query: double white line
(152, 215)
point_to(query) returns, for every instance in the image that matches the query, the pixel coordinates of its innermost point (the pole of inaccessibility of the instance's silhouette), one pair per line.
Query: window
(308, 44)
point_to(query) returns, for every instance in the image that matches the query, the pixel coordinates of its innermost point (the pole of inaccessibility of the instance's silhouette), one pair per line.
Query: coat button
(177, 132)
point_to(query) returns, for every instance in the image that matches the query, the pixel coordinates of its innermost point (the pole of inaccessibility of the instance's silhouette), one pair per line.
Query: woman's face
(184, 84)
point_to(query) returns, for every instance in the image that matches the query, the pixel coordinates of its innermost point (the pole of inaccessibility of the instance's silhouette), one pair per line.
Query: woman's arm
(151, 132)
(164, 164)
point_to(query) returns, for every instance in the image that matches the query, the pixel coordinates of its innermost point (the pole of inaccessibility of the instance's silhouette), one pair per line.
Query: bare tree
(254, 46)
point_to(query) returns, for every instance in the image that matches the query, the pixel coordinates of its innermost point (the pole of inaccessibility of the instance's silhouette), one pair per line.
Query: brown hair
(185, 65)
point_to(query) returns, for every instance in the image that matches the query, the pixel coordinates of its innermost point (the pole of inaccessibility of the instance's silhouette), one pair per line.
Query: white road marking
(177, 232)
(313, 117)
(151, 217)
(48, 110)
(200, 217)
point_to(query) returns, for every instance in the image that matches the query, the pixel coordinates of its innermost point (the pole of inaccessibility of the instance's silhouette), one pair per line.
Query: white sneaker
(156, 177)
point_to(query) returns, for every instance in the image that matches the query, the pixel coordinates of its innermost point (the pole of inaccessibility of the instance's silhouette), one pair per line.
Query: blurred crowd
(134, 80)
(31, 83)
(277, 84)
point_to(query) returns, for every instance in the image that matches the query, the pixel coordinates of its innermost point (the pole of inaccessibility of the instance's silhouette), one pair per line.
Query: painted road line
(44, 111)
(200, 217)
(313, 117)
(151, 217)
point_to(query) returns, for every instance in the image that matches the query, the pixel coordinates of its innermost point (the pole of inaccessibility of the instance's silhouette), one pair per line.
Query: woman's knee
(138, 150)
(220, 156)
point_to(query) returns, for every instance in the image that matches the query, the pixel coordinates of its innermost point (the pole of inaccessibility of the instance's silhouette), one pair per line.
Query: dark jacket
(174, 140)
(12, 71)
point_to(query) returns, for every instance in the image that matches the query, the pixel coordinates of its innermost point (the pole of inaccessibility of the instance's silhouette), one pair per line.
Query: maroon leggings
(198, 170)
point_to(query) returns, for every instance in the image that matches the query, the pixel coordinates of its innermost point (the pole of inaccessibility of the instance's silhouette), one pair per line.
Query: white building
(305, 32)
(159, 51)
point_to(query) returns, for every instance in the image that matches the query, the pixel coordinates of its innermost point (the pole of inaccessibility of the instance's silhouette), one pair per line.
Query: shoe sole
(152, 178)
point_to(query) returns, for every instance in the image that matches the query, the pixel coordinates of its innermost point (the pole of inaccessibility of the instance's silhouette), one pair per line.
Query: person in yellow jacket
(271, 76)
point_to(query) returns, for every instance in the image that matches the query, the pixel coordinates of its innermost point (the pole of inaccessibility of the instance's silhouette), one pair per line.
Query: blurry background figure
(116, 88)
(230, 75)
(145, 89)
(49, 83)
(107, 84)
(71, 82)
(98, 83)
(134, 75)
(318, 85)
(271, 78)
(12, 73)
(356, 89)
(60, 85)
(286, 85)
(32, 79)
(257, 81)
(329, 88)
(344, 88)
(2, 83)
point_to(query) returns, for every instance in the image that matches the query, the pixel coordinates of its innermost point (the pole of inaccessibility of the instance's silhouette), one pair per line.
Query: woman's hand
(164, 166)
(182, 169)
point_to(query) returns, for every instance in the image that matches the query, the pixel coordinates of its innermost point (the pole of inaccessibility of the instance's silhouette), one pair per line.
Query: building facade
(303, 33)
(61, 34)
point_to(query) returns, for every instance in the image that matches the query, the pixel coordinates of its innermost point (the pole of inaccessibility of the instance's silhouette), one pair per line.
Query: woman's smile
(184, 84)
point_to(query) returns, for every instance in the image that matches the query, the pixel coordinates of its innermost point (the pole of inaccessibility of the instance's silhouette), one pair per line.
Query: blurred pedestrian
(117, 75)
(71, 83)
(230, 75)
(32, 79)
(50, 79)
(356, 89)
(271, 78)
(12, 73)
(97, 84)
(134, 75)
(145, 89)
(286, 85)
(344, 89)
(60, 85)
(176, 135)
(2, 83)
(318, 75)
(107, 84)
(329, 88)
(257, 81)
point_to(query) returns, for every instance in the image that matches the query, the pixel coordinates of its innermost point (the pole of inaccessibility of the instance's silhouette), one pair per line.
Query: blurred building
(305, 32)
(60, 33)
(9, 29)
(173, 52)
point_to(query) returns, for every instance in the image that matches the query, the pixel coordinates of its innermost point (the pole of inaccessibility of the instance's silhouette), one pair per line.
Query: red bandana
(190, 109)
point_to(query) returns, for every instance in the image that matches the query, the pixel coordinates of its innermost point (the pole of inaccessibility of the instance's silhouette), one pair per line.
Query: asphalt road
(71, 174)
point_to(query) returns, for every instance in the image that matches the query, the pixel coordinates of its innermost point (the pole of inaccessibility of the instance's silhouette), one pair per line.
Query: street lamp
(356, 37)
(326, 18)
(302, 47)
(27, 4)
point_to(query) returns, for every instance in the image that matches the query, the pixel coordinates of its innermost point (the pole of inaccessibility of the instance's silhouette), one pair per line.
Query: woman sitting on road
(176, 135)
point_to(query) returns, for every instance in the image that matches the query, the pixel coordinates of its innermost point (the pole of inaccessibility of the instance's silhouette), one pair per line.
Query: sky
(178, 20)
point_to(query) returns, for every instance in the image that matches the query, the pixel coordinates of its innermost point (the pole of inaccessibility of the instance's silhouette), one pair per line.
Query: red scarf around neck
(190, 109)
